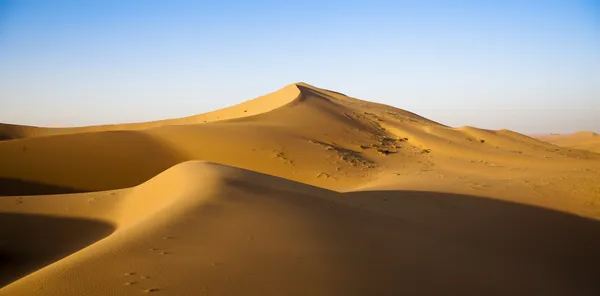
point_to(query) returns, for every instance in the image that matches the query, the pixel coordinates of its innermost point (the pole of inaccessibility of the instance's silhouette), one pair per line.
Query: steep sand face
(581, 140)
(314, 193)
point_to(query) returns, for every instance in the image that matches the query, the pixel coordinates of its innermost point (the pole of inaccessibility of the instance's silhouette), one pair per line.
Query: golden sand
(303, 191)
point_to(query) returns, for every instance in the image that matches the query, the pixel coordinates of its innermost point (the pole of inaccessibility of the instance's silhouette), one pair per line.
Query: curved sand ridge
(426, 208)
(207, 228)
(307, 114)
(252, 107)
(315, 136)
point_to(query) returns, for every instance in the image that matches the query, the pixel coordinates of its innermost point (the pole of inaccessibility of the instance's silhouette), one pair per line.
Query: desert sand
(584, 140)
(303, 191)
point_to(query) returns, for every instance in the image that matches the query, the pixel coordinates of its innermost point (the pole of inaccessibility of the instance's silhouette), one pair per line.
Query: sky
(529, 66)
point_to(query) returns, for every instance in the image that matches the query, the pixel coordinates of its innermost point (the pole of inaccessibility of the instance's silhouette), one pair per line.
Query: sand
(584, 140)
(304, 191)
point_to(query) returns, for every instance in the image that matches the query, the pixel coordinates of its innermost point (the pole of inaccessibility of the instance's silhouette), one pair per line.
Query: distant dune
(303, 191)
(584, 140)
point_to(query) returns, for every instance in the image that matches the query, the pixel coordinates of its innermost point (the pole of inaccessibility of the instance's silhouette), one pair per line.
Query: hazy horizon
(528, 66)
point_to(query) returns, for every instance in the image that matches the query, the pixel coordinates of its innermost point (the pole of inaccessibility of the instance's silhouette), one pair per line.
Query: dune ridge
(355, 132)
(255, 106)
(215, 221)
(583, 140)
(304, 191)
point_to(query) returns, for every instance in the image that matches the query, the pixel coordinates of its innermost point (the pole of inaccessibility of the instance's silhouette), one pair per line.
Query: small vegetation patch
(281, 156)
(387, 145)
(426, 151)
(386, 151)
(351, 157)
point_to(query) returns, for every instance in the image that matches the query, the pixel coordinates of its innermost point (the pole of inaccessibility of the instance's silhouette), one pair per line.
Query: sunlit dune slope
(581, 140)
(304, 191)
(210, 229)
(252, 107)
(318, 137)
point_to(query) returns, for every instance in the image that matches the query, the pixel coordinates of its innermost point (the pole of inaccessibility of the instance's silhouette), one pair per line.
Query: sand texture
(303, 191)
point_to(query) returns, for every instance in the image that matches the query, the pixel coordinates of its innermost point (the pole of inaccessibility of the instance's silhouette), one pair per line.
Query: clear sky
(530, 66)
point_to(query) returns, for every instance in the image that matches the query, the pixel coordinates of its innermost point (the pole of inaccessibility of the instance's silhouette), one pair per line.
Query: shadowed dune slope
(85, 162)
(12, 131)
(211, 229)
(304, 191)
(19, 187)
(30, 242)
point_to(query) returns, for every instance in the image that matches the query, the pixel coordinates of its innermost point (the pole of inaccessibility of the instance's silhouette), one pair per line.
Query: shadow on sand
(451, 244)
(432, 243)
(30, 242)
(358, 243)
(14, 187)
(81, 162)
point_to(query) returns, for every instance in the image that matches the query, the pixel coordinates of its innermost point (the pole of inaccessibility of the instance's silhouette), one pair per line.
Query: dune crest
(255, 106)
(242, 231)
(304, 191)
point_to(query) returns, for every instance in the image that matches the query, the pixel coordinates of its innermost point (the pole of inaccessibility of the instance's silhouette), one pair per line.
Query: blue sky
(530, 66)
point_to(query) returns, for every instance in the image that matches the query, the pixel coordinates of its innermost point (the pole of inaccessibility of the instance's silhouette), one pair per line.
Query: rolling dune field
(304, 191)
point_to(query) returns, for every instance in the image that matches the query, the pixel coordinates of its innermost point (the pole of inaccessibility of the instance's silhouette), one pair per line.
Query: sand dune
(252, 107)
(201, 227)
(581, 140)
(304, 191)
